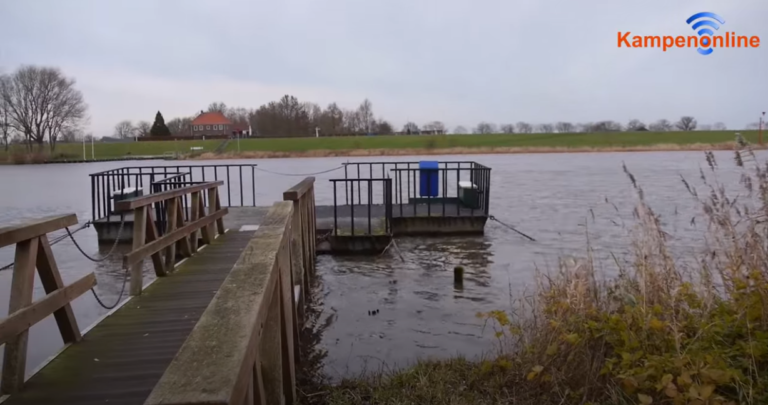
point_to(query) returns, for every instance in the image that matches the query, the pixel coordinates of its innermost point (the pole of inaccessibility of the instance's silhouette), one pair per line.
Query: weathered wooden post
(33, 250)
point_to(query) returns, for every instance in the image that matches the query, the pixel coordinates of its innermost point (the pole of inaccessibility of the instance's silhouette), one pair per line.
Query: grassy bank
(554, 141)
(400, 145)
(662, 332)
(102, 150)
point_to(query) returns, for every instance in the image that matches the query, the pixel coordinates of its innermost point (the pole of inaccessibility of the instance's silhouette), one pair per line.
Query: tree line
(286, 117)
(290, 117)
(685, 123)
(40, 105)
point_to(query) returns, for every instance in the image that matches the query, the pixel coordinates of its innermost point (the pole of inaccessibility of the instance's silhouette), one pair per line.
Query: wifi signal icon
(704, 27)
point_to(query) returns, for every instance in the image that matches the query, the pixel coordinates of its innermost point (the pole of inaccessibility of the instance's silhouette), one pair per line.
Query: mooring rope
(297, 174)
(111, 251)
(512, 228)
(114, 246)
(397, 249)
(53, 242)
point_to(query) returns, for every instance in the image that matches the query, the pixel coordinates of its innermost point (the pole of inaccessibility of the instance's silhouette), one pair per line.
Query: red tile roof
(242, 126)
(211, 118)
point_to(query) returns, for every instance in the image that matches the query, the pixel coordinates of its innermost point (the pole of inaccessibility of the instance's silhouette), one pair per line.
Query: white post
(317, 132)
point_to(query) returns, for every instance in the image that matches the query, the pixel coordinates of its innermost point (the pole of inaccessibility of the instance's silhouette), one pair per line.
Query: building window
(217, 127)
(207, 127)
(195, 127)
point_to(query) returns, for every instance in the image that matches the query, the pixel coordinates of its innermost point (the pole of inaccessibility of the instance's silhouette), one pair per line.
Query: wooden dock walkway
(121, 359)
(253, 274)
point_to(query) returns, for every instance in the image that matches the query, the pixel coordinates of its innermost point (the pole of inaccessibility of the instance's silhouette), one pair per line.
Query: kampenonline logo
(703, 24)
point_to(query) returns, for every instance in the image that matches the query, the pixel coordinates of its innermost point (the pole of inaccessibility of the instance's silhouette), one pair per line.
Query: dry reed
(660, 332)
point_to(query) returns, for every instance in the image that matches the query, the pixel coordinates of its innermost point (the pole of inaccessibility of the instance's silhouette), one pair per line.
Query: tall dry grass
(661, 332)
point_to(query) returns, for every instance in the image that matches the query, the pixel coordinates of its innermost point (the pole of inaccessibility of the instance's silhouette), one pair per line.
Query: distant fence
(182, 138)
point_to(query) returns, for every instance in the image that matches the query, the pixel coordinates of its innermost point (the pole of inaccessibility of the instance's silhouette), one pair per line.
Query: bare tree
(753, 125)
(352, 122)
(460, 130)
(545, 128)
(635, 125)
(507, 129)
(181, 126)
(411, 128)
(524, 127)
(485, 128)
(5, 123)
(365, 115)
(719, 126)
(142, 128)
(42, 102)
(218, 106)
(382, 127)
(686, 123)
(436, 126)
(607, 126)
(124, 130)
(661, 125)
(71, 135)
(565, 127)
(705, 127)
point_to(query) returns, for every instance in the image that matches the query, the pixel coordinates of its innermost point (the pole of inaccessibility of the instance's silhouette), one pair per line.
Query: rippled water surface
(556, 198)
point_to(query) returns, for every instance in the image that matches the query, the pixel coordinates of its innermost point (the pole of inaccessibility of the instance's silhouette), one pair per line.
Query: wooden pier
(221, 326)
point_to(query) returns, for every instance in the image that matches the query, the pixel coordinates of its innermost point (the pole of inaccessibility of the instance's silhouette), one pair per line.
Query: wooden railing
(303, 249)
(244, 348)
(33, 250)
(185, 237)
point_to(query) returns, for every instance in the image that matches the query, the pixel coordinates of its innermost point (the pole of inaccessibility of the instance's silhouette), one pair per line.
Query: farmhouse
(215, 124)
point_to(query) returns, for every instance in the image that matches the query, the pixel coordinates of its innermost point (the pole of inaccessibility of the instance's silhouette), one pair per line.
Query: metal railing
(374, 201)
(239, 187)
(407, 177)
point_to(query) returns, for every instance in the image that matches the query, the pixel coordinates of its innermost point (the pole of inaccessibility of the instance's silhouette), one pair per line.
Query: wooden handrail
(136, 202)
(162, 249)
(245, 329)
(297, 191)
(33, 250)
(303, 237)
(245, 347)
(13, 234)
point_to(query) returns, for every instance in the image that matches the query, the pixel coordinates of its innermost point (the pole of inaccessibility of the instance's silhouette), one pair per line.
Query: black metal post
(370, 197)
(241, 185)
(335, 224)
(352, 206)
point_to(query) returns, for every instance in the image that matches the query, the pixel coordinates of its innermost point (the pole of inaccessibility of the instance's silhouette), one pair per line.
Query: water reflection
(388, 309)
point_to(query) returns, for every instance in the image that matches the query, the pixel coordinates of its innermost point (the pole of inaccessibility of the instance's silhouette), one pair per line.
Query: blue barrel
(429, 175)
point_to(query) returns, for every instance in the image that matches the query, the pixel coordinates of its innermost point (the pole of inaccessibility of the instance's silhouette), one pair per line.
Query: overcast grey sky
(457, 61)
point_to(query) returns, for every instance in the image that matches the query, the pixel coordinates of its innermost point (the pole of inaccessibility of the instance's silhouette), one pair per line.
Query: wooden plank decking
(121, 359)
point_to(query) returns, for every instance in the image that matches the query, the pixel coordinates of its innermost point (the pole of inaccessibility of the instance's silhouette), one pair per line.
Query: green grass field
(111, 150)
(300, 145)
(576, 140)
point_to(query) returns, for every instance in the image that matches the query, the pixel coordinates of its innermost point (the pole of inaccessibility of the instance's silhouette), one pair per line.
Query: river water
(555, 198)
